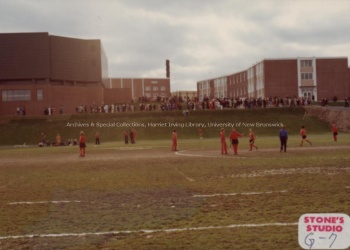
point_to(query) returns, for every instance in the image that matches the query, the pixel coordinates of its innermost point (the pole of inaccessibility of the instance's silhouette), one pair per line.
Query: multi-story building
(310, 77)
(151, 88)
(38, 70)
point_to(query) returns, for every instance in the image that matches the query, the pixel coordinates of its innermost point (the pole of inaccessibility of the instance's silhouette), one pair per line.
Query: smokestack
(167, 63)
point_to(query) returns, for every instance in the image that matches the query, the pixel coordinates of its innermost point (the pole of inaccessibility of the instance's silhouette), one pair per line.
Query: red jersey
(302, 132)
(222, 136)
(334, 129)
(234, 135)
(82, 139)
(174, 136)
(251, 136)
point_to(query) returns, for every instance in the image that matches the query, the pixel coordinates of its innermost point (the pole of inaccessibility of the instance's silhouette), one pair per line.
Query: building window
(155, 88)
(162, 88)
(39, 95)
(306, 76)
(154, 82)
(306, 63)
(15, 95)
(148, 88)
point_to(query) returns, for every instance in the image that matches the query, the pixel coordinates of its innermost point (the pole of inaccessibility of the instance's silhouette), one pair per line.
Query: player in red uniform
(82, 144)
(234, 140)
(252, 140)
(200, 133)
(174, 137)
(223, 142)
(303, 136)
(335, 131)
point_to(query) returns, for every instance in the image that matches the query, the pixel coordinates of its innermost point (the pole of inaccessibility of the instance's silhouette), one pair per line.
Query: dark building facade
(38, 70)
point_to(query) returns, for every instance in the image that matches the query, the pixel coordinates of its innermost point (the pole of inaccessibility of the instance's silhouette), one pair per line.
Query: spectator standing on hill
(223, 142)
(335, 132)
(58, 140)
(304, 136)
(132, 136)
(283, 139)
(97, 138)
(234, 140)
(174, 138)
(252, 140)
(82, 144)
(126, 137)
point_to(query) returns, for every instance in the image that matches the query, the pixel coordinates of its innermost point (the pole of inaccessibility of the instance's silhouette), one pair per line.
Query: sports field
(144, 196)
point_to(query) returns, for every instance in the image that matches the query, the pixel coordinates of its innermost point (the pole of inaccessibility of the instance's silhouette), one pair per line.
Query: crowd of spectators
(178, 103)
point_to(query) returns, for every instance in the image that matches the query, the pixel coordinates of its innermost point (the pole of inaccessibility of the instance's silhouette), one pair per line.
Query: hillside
(156, 124)
(338, 115)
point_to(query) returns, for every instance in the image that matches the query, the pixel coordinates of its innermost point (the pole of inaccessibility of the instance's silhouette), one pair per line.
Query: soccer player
(252, 140)
(82, 144)
(335, 132)
(223, 142)
(303, 136)
(97, 138)
(174, 137)
(234, 140)
(200, 133)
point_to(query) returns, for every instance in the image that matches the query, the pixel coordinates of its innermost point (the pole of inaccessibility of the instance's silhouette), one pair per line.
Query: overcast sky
(201, 38)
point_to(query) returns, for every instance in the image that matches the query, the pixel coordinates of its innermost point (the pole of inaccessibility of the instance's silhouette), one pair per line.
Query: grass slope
(156, 125)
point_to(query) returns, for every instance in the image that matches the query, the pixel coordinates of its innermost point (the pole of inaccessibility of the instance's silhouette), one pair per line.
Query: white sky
(201, 38)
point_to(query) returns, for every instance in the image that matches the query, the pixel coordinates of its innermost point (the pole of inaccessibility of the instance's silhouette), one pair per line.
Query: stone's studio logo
(324, 231)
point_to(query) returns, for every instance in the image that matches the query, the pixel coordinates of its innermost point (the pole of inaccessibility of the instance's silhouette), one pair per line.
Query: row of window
(155, 88)
(306, 76)
(26, 95)
(306, 63)
(147, 94)
(20, 95)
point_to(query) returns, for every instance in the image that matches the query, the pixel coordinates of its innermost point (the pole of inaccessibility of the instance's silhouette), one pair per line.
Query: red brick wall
(281, 78)
(332, 78)
(117, 96)
(24, 56)
(75, 59)
(53, 96)
(141, 86)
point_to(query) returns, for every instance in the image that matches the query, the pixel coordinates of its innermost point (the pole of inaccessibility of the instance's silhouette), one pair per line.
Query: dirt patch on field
(340, 116)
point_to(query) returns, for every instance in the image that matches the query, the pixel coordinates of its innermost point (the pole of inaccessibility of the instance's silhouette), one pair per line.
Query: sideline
(183, 153)
(148, 231)
(233, 194)
(216, 153)
(40, 202)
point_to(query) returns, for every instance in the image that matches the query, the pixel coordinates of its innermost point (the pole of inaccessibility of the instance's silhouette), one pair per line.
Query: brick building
(38, 70)
(314, 78)
(151, 88)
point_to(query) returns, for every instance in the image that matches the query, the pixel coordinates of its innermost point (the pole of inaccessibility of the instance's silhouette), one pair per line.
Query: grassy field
(144, 196)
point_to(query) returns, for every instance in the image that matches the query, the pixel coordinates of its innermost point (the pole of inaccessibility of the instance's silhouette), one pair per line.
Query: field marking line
(182, 153)
(233, 194)
(149, 231)
(40, 202)
(188, 178)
